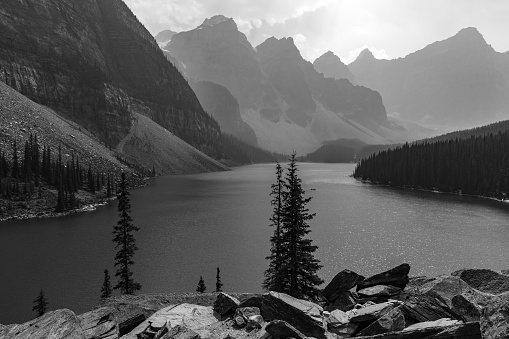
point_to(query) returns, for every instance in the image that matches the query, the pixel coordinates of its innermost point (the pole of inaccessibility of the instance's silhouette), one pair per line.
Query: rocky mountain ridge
(331, 66)
(95, 64)
(468, 303)
(459, 82)
(288, 104)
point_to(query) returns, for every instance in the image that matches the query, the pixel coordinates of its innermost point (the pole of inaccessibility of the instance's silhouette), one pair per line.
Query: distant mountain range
(281, 96)
(459, 82)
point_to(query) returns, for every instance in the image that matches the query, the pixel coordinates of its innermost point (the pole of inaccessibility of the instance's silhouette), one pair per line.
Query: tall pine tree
(297, 268)
(271, 282)
(40, 304)
(219, 284)
(201, 286)
(106, 287)
(125, 242)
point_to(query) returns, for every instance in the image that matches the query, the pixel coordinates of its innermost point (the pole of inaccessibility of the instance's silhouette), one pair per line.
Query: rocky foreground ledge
(470, 303)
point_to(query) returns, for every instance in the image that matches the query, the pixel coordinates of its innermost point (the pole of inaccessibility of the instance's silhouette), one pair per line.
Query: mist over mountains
(283, 98)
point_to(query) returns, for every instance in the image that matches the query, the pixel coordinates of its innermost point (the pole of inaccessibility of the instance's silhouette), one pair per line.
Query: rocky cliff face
(93, 62)
(288, 104)
(331, 66)
(218, 102)
(459, 82)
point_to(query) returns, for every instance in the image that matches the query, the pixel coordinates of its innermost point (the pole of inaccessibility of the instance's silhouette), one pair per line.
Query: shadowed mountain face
(458, 82)
(218, 102)
(332, 67)
(164, 36)
(288, 104)
(92, 61)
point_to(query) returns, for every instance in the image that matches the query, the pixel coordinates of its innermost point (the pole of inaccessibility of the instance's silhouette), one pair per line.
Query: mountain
(164, 36)
(218, 102)
(288, 104)
(92, 62)
(458, 82)
(331, 66)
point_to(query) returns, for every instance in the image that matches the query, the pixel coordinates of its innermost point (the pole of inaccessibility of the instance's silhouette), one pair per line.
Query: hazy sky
(389, 28)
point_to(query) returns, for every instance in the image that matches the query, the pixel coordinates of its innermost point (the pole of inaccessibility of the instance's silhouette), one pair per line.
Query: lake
(191, 224)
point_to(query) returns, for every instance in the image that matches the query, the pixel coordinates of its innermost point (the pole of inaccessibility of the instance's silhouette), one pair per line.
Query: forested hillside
(476, 165)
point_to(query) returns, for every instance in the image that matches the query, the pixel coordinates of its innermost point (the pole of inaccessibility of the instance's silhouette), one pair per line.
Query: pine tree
(201, 286)
(297, 268)
(106, 287)
(124, 239)
(219, 284)
(40, 304)
(271, 282)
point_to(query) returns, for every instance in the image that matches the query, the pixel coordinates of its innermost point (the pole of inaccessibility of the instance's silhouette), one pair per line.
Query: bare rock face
(392, 321)
(304, 315)
(96, 64)
(225, 303)
(379, 291)
(397, 276)
(331, 66)
(342, 282)
(422, 308)
(280, 329)
(370, 313)
(484, 280)
(60, 324)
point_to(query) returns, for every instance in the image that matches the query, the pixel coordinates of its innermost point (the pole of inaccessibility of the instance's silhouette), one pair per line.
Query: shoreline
(505, 201)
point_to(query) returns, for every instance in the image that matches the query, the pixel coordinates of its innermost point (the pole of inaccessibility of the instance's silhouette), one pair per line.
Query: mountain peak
(329, 55)
(470, 35)
(366, 54)
(273, 46)
(331, 66)
(215, 20)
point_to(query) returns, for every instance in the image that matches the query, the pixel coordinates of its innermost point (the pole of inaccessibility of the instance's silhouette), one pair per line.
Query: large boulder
(369, 313)
(397, 276)
(254, 301)
(423, 308)
(454, 331)
(445, 286)
(344, 302)
(60, 324)
(485, 280)
(379, 291)
(193, 317)
(394, 320)
(225, 303)
(281, 329)
(339, 323)
(495, 318)
(465, 308)
(180, 332)
(305, 315)
(342, 282)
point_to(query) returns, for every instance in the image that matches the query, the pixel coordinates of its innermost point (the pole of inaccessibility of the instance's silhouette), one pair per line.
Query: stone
(394, 320)
(379, 291)
(445, 286)
(240, 321)
(57, 324)
(397, 276)
(339, 323)
(466, 309)
(304, 315)
(342, 282)
(344, 302)
(457, 331)
(484, 280)
(247, 312)
(495, 318)
(423, 308)
(369, 313)
(193, 317)
(436, 323)
(282, 329)
(255, 321)
(225, 303)
(181, 332)
(255, 301)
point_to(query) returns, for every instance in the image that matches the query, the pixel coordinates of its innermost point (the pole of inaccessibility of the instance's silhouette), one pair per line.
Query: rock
(181, 332)
(426, 308)
(379, 291)
(444, 322)
(495, 318)
(225, 303)
(193, 317)
(369, 313)
(339, 323)
(240, 321)
(129, 324)
(397, 276)
(484, 280)
(255, 301)
(282, 329)
(467, 310)
(458, 331)
(344, 302)
(247, 312)
(99, 323)
(304, 315)
(342, 282)
(255, 321)
(58, 324)
(446, 287)
(394, 320)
